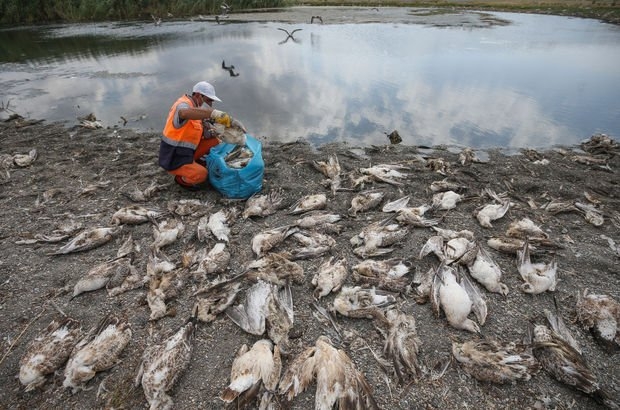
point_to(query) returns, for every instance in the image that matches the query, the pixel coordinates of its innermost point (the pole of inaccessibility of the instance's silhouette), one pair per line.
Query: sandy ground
(85, 176)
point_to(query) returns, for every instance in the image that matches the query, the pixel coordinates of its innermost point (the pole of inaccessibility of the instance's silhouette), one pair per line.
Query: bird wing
(299, 374)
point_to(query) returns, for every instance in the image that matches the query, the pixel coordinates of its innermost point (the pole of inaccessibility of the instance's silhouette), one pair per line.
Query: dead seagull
(252, 370)
(495, 361)
(538, 277)
(88, 239)
(163, 363)
(338, 382)
(566, 364)
(98, 351)
(46, 353)
(600, 314)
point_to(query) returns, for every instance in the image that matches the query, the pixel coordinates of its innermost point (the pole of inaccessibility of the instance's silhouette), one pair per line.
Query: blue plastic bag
(236, 183)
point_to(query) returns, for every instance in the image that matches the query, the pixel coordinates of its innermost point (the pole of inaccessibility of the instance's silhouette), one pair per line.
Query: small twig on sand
(21, 334)
(57, 308)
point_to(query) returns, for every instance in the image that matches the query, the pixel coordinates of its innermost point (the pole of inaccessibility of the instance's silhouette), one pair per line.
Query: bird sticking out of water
(289, 35)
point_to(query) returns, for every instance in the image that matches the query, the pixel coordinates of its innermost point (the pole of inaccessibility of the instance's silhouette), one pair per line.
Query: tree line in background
(14, 12)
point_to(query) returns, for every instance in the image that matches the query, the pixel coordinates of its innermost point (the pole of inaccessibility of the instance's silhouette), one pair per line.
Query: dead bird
(414, 216)
(263, 204)
(365, 201)
(591, 214)
(216, 298)
(97, 351)
(507, 245)
(566, 364)
(219, 223)
(386, 274)
(374, 238)
(599, 144)
(275, 268)
(331, 169)
(494, 211)
(88, 239)
(363, 303)
(312, 243)
(161, 276)
(280, 316)
(445, 185)
(319, 221)
(239, 152)
(267, 240)
(439, 165)
(214, 261)
(166, 232)
(457, 297)
(446, 200)
(241, 156)
(468, 156)
(48, 352)
(130, 281)
(402, 345)
(601, 315)
(189, 207)
(100, 275)
(162, 365)
(250, 315)
(556, 206)
(388, 173)
(329, 277)
(253, 370)
(538, 277)
(487, 272)
(309, 203)
(134, 215)
(494, 361)
(138, 195)
(526, 229)
(338, 382)
(25, 160)
(394, 206)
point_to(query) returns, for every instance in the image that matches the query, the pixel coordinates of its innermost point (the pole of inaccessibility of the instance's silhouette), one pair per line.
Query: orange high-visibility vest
(188, 135)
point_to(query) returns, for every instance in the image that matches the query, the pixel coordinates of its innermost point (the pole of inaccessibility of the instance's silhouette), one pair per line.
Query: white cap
(206, 89)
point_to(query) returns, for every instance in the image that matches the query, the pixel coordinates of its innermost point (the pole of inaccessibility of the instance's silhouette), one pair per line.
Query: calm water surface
(537, 82)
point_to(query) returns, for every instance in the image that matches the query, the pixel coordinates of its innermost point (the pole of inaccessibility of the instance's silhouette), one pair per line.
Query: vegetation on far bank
(14, 12)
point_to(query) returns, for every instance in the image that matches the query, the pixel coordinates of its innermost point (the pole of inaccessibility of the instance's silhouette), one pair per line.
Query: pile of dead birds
(259, 297)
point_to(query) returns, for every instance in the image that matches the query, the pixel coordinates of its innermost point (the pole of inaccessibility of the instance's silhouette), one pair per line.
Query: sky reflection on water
(538, 82)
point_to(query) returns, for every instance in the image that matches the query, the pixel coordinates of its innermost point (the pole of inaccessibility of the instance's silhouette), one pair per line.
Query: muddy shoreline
(85, 176)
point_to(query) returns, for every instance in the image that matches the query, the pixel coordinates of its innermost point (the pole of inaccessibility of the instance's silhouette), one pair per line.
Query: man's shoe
(179, 180)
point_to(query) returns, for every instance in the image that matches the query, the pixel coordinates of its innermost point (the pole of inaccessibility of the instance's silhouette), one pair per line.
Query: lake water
(537, 82)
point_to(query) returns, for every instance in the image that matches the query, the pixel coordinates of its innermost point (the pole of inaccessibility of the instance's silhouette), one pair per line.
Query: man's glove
(221, 117)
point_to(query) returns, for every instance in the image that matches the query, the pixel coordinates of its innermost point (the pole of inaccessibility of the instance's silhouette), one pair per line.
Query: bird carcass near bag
(236, 170)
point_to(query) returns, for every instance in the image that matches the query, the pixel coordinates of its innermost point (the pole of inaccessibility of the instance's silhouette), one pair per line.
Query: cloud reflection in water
(523, 85)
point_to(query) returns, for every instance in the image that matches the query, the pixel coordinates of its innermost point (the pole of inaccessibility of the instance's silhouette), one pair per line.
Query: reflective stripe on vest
(188, 135)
